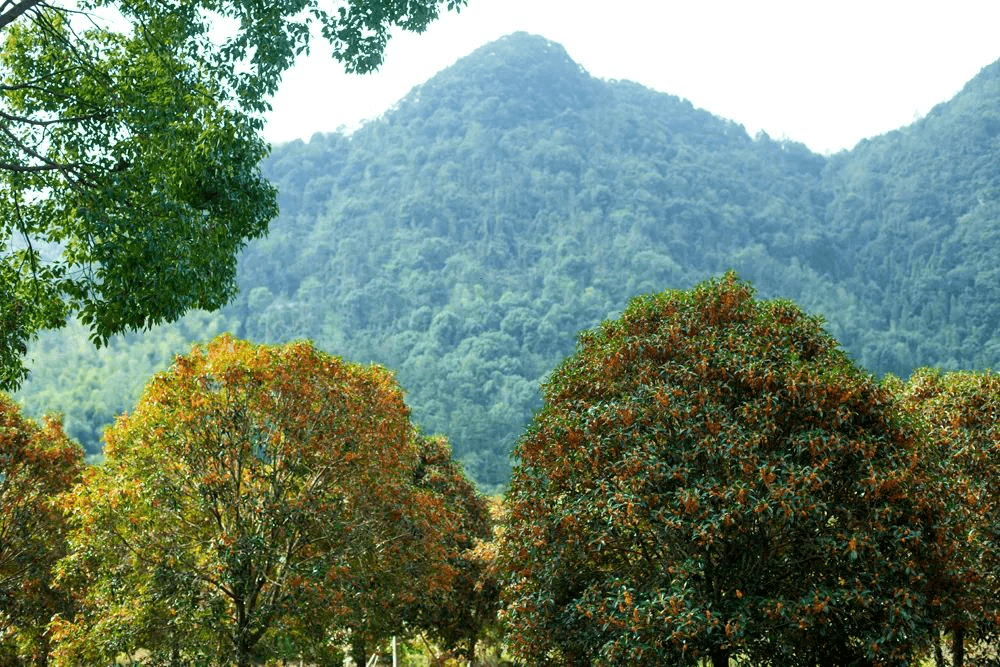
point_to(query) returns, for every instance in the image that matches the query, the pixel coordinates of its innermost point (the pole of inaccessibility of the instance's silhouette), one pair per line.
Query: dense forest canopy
(466, 236)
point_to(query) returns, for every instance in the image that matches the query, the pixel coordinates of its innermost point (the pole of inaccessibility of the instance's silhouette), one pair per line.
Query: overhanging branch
(11, 10)
(30, 168)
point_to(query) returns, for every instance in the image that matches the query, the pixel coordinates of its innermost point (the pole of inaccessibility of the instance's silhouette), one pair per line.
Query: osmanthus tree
(37, 463)
(435, 580)
(457, 615)
(240, 508)
(420, 561)
(129, 148)
(711, 478)
(961, 413)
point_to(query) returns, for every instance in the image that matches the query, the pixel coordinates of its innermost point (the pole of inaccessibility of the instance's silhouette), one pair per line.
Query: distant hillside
(466, 237)
(915, 228)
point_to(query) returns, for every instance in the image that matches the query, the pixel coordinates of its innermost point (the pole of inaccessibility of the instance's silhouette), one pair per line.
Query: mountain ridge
(466, 236)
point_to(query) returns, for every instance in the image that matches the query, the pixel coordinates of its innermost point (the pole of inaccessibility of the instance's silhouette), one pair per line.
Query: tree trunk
(938, 653)
(958, 647)
(720, 658)
(243, 655)
(359, 653)
(837, 654)
(42, 657)
(175, 651)
(471, 648)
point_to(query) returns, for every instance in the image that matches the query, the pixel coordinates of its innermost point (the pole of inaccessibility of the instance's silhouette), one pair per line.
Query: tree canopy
(246, 509)
(129, 149)
(711, 477)
(37, 463)
(457, 616)
(961, 414)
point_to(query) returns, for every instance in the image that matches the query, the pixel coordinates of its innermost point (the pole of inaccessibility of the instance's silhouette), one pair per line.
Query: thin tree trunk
(958, 647)
(938, 653)
(42, 657)
(243, 655)
(359, 653)
(472, 651)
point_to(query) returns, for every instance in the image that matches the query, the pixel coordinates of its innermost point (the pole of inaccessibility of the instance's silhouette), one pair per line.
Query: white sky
(825, 73)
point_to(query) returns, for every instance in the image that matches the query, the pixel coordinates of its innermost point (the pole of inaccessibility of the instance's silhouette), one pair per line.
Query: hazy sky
(824, 73)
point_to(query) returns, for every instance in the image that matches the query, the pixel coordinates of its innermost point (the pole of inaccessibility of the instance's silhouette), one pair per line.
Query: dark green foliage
(710, 476)
(465, 238)
(129, 178)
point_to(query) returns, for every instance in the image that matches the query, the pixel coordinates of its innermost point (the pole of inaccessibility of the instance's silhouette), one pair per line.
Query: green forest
(465, 238)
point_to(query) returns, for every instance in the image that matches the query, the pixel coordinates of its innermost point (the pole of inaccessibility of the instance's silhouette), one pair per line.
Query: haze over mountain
(466, 237)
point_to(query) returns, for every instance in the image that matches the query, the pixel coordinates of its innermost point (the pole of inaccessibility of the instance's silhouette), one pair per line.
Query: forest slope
(466, 237)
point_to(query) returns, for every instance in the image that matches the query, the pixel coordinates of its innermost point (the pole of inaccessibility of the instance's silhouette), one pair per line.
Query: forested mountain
(914, 222)
(466, 237)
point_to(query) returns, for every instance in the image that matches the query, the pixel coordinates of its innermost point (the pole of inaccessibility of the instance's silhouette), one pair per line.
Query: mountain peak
(523, 76)
(528, 51)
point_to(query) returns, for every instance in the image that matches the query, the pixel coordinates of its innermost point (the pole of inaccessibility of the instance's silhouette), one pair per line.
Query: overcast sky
(827, 74)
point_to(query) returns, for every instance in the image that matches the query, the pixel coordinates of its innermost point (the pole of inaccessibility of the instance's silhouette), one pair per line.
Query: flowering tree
(240, 507)
(710, 477)
(422, 561)
(37, 463)
(457, 615)
(961, 412)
